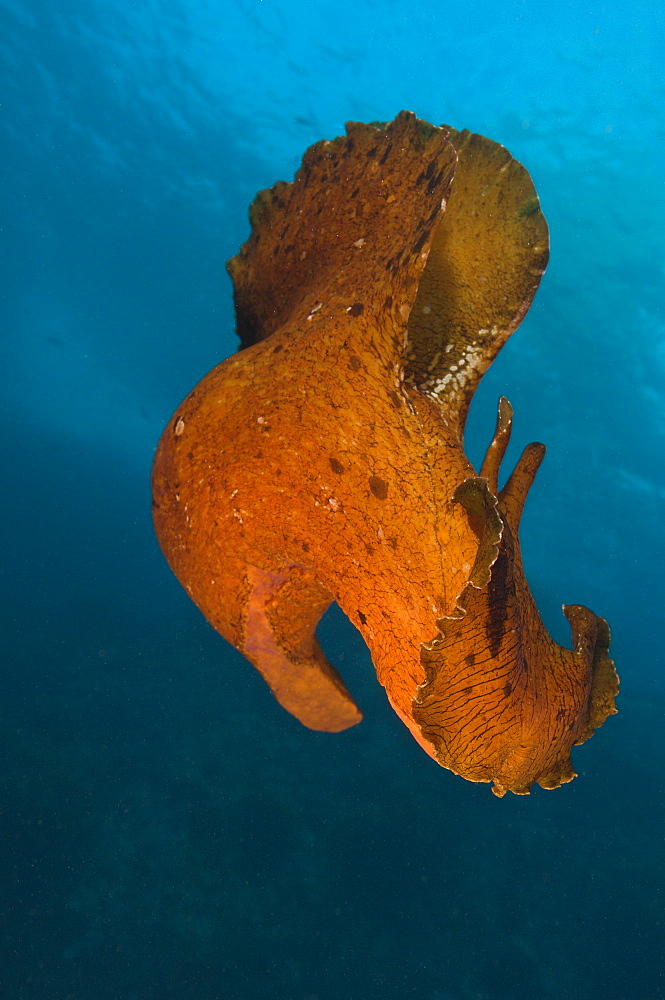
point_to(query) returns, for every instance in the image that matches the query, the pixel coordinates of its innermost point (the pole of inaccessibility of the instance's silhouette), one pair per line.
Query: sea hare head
(325, 460)
(502, 701)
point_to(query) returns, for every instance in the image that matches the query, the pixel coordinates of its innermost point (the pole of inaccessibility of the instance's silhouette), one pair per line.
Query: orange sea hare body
(325, 460)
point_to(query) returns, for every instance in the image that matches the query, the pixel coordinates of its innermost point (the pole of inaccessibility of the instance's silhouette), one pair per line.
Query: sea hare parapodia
(325, 460)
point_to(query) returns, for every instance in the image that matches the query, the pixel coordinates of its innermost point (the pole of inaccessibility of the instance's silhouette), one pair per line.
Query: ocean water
(167, 831)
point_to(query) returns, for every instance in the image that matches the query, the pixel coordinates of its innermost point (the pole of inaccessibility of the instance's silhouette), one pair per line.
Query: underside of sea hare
(324, 461)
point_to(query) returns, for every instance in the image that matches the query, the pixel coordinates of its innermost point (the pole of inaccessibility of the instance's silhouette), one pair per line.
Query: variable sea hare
(324, 461)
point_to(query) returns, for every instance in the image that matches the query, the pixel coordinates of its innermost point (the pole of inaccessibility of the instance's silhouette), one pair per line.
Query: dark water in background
(167, 831)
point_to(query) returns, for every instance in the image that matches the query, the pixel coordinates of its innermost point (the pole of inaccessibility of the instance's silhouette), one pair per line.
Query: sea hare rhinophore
(324, 461)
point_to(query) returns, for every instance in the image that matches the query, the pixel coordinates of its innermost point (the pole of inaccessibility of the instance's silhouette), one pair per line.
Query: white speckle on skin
(360, 243)
(260, 420)
(316, 308)
(426, 310)
(179, 427)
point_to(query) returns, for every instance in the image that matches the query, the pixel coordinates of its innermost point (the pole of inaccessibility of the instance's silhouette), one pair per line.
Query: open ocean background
(167, 831)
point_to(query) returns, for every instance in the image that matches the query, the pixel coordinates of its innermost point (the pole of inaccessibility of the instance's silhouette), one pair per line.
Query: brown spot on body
(379, 487)
(356, 309)
(336, 466)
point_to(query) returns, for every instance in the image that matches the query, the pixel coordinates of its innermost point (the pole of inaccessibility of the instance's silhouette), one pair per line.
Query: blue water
(167, 832)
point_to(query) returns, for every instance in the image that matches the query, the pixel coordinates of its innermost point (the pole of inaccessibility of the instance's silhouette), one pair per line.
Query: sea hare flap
(359, 215)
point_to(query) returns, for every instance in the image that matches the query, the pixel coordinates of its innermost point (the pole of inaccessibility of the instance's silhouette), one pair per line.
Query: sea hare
(324, 461)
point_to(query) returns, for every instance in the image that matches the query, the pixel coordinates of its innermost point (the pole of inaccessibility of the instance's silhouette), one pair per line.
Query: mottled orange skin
(325, 460)
(272, 492)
